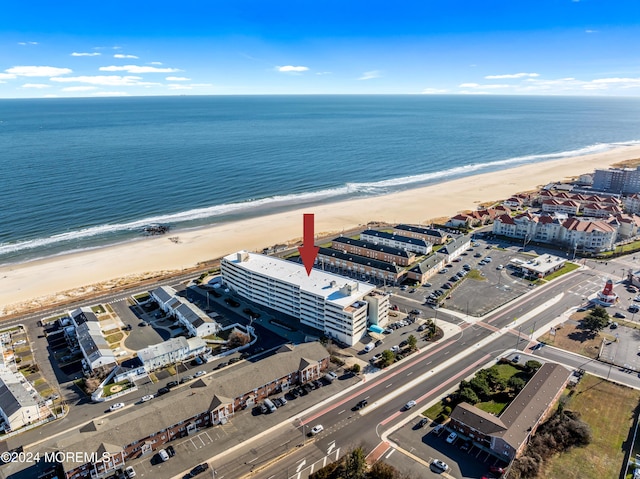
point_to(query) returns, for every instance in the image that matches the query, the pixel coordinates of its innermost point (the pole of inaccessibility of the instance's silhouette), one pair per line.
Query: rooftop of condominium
(334, 288)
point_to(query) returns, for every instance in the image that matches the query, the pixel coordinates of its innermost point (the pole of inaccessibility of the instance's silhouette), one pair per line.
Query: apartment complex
(192, 318)
(337, 306)
(170, 351)
(507, 435)
(86, 334)
(578, 233)
(18, 402)
(617, 180)
(418, 246)
(430, 235)
(374, 251)
(346, 263)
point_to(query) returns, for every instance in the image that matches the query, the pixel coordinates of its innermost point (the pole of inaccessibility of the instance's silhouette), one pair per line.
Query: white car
(163, 455)
(130, 472)
(500, 267)
(395, 349)
(438, 464)
(375, 358)
(199, 373)
(409, 405)
(452, 437)
(317, 429)
(116, 406)
(146, 398)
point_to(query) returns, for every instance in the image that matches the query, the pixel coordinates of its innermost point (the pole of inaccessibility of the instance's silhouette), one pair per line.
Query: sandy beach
(39, 283)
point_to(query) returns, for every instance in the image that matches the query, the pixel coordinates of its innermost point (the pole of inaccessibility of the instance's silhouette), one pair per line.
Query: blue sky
(204, 47)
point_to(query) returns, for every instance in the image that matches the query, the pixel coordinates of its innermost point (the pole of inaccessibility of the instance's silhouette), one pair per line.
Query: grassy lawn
(492, 407)
(142, 297)
(114, 338)
(567, 268)
(119, 387)
(628, 248)
(434, 411)
(475, 274)
(610, 427)
(38, 382)
(98, 309)
(46, 392)
(571, 338)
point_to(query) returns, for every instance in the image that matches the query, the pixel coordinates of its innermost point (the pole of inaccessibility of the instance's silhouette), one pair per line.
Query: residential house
(461, 220)
(168, 352)
(87, 333)
(568, 207)
(429, 235)
(19, 402)
(454, 248)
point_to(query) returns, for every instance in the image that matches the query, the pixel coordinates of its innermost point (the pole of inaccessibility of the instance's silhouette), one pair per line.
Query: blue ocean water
(82, 173)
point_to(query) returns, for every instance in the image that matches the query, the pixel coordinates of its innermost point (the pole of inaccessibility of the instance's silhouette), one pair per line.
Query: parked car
(146, 398)
(375, 358)
(619, 315)
(423, 422)
(516, 358)
(315, 430)
(171, 451)
(614, 325)
(379, 342)
(162, 391)
(422, 327)
(197, 361)
(438, 464)
(199, 373)
(234, 360)
(451, 438)
(496, 469)
(172, 384)
(332, 375)
(466, 445)
(116, 406)
(163, 455)
(186, 379)
(130, 472)
(221, 365)
(634, 308)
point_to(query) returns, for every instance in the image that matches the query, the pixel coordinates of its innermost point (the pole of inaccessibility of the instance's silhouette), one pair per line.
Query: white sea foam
(369, 188)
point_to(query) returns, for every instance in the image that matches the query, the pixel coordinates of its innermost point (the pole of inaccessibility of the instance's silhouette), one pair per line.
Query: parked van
(368, 347)
(270, 406)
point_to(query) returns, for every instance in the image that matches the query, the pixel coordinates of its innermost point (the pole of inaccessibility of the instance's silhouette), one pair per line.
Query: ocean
(83, 173)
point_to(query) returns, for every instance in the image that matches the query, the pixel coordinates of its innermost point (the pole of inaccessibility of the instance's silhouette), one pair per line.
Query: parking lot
(429, 443)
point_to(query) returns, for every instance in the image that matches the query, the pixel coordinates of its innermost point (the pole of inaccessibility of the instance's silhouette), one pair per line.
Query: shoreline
(34, 284)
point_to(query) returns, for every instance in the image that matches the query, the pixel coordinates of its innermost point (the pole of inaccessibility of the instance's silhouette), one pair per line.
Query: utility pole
(518, 339)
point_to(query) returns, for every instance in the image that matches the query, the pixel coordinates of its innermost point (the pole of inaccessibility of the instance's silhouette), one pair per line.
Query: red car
(496, 469)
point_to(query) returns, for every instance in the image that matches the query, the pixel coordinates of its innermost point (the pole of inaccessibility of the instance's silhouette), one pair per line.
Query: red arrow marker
(308, 250)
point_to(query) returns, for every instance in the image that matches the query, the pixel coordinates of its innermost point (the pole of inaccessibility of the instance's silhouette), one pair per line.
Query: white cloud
(51, 95)
(591, 31)
(370, 75)
(7, 76)
(137, 69)
(434, 91)
(33, 71)
(324, 73)
(111, 93)
(120, 55)
(80, 88)
(473, 92)
(105, 80)
(35, 85)
(155, 63)
(94, 54)
(176, 86)
(468, 85)
(617, 80)
(512, 75)
(201, 84)
(291, 68)
(27, 43)
(177, 79)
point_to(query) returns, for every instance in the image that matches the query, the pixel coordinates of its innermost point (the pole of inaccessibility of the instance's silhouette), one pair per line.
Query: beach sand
(40, 283)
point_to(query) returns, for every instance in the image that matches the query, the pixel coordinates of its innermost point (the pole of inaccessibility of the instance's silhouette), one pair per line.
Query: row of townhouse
(579, 197)
(85, 333)
(379, 252)
(572, 208)
(192, 318)
(338, 307)
(593, 235)
(204, 403)
(478, 217)
(400, 241)
(428, 267)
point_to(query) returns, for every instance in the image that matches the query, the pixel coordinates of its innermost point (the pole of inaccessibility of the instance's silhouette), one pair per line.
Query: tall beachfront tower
(338, 306)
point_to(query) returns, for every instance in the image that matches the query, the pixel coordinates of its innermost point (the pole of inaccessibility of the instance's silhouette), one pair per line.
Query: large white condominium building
(338, 306)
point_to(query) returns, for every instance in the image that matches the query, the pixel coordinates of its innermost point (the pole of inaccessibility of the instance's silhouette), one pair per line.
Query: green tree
(517, 384)
(468, 395)
(355, 369)
(387, 358)
(412, 341)
(382, 470)
(533, 365)
(480, 385)
(596, 320)
(355, 465)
